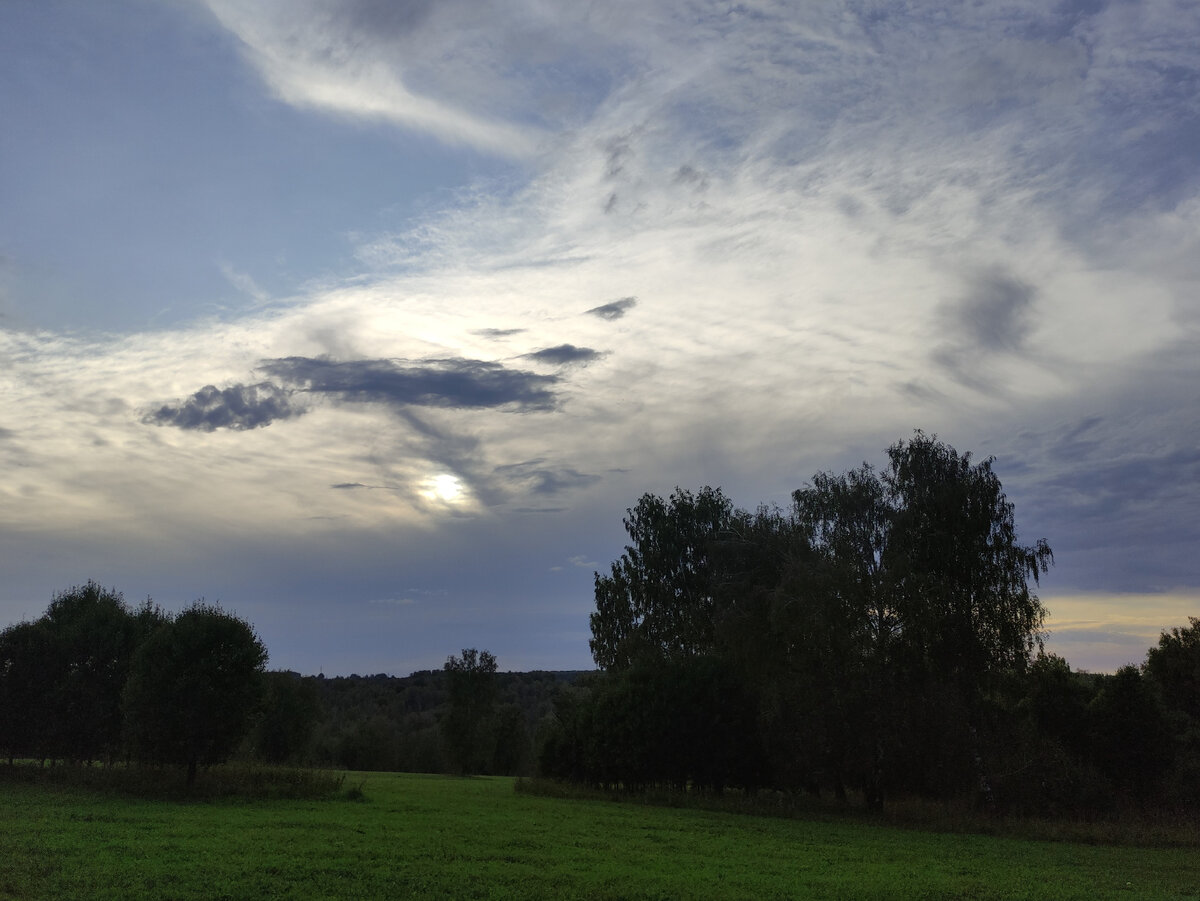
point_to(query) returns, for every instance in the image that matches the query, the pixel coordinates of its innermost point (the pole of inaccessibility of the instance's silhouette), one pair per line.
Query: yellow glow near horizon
(1101, 632)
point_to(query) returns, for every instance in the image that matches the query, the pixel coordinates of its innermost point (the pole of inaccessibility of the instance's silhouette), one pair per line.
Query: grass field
(440, 837)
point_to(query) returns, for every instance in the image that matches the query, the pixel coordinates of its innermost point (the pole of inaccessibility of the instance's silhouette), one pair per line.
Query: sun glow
(443, 487)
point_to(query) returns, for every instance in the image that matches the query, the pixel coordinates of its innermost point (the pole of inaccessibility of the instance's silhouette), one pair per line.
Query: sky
(368, 319)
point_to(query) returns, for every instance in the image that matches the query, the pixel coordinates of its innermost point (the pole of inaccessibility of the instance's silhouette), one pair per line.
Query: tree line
(94, 680)
(883, 636)
(413, 724)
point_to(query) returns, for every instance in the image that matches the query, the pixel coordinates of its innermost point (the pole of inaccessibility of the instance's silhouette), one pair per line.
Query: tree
(1130, 739)
(63, 675)
(922, 572)
(867, 628)
(25, 679)
(194, 686)
(94, 637)
(1174, 666)
(468, 726)
(284, 727)
(961, 580)
(658, 598)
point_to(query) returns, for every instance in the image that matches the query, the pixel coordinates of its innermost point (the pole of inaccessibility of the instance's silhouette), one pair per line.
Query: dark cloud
(450, 383)
(349, 485)
(238, 407)
(1114, 496)
(995, 315)
(617, 152)
(6, 434)
(614, 310)
(497, 332)
(564, 354)
(537, 477)
(920, 391)
(384, 18)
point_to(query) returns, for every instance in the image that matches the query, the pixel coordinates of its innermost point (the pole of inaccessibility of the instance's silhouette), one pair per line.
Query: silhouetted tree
(64, 674)
(468, 726)
(866, 630)
(26, 681)
(1130, 739)
(922, 572)
(512, 747)
(284, 726)
(1174, 666)
(194, 686)
(960, 579)
(658, 597)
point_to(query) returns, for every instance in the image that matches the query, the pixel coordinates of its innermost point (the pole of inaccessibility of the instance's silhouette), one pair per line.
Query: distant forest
(881, 638)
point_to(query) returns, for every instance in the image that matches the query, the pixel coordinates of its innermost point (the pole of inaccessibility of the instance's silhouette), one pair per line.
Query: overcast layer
(369, 319)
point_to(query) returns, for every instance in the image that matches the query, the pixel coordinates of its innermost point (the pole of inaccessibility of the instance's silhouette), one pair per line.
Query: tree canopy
(193, 687)
(867, 625)
(657, 599)
(469, 728)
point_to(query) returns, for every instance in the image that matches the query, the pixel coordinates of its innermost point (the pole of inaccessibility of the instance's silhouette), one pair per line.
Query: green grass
(439, 837)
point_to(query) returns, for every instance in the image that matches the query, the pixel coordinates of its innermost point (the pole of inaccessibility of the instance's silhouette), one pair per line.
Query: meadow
(411, 836)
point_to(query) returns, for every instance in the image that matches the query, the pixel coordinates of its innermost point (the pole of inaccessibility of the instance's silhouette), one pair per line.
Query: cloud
(238, 407)
(454, 383)
(613, 310)
(993, 318)
(536, 477)
(245, 283)
(995, 315)
(819, 202)
(497, 332)
(564, 354)
(361, 61)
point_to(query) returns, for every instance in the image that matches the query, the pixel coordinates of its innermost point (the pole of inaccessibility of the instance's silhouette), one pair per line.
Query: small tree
(467, 728)
(194, 686)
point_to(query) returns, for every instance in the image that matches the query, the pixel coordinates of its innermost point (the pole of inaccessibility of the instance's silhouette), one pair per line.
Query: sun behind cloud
(444, 487)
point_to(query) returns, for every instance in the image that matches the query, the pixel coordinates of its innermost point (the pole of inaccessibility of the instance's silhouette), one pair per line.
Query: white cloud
(839, 223)
(368, 62)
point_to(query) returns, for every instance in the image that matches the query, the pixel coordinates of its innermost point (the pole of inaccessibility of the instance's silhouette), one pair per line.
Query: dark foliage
(396, 723)
(881, 637)
(62, 676)
(194, 686)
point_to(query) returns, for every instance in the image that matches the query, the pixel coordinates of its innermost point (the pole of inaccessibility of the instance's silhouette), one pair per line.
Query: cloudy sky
(369, 318)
